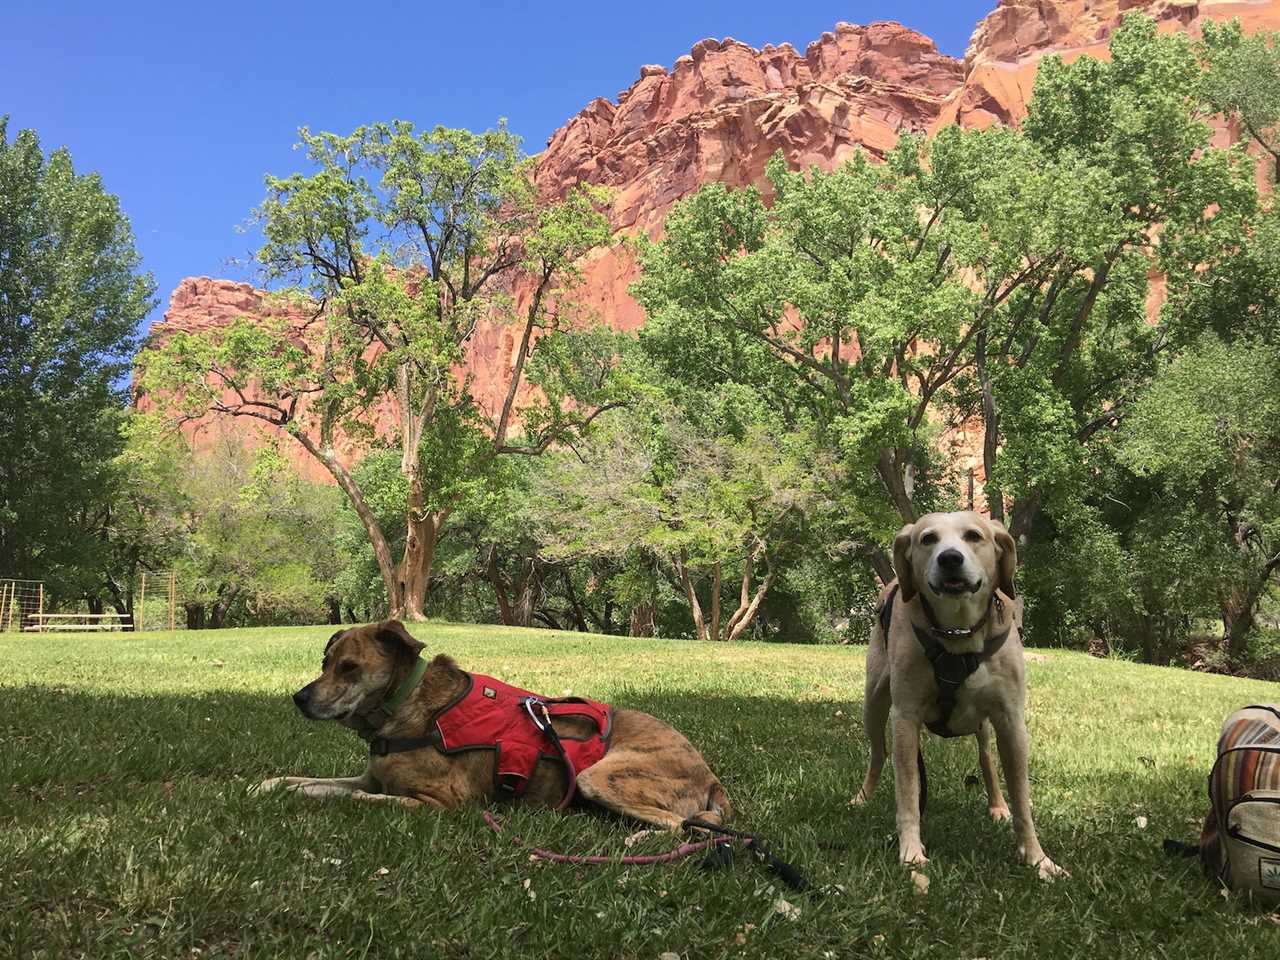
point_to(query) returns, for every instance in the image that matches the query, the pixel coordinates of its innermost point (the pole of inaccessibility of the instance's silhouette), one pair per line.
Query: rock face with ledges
(720, 112)
(723, 110)
(1007, 46)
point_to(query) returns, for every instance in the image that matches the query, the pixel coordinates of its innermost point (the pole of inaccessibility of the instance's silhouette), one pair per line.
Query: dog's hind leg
(996, 806)
(875, 715)
(627, 783)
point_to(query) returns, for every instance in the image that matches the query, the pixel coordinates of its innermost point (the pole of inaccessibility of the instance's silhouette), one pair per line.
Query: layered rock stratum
(720, 112)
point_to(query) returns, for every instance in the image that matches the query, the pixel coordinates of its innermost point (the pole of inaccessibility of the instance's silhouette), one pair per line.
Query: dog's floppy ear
(332, 641)
(1006, 557)
(393, 635)
(902, 563)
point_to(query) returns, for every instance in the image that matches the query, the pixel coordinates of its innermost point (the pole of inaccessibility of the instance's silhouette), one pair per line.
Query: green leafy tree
(257, 539)
(139, 524)
(1243, 81)
(713, 510)
(1209, 427)
(400, 244)
(71, 298)
(996, 278)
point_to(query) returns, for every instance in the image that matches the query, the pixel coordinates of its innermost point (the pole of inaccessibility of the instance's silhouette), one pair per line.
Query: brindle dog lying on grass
(649, 771)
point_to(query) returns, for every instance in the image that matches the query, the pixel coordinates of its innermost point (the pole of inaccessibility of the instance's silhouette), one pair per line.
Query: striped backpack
(1240, 843)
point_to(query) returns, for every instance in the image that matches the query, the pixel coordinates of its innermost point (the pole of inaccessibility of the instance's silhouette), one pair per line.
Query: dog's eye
(973, 536)
(929, 539)
(348, 667)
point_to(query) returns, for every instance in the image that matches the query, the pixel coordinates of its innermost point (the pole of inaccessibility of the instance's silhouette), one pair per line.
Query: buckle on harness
(543, 723)
(379, 747)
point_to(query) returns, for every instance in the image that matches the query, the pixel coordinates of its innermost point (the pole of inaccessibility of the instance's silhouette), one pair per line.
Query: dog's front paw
(1000, 814)
(1050, 871)
(912, 856)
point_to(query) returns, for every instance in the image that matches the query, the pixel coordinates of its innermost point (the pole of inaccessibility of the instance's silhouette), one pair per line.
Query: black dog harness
(950, 670)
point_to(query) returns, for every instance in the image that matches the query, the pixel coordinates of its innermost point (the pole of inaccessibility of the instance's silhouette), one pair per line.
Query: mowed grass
(125, 828)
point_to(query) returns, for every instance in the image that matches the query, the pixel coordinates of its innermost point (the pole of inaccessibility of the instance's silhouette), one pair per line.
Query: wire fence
(154, 601)
(157, 602)
(20, 600)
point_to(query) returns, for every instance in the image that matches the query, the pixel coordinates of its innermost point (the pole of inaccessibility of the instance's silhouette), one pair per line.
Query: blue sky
(183, 107)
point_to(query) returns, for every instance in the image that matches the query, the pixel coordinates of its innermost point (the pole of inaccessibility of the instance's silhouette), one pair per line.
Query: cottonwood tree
(1243, 81)
(397, 247)
(1209, 428)
(71, 297)
(719, 514)
(994, 277)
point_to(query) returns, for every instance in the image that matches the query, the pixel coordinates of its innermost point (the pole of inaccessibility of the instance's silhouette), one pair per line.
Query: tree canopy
(71, 297)
(397, 246)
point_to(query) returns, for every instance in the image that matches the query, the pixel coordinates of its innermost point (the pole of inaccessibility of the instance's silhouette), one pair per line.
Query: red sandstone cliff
(1008, 44)
(723, 110)
(720, 112)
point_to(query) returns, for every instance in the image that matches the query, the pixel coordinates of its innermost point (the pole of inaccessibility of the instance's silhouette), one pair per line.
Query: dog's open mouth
(956, 587)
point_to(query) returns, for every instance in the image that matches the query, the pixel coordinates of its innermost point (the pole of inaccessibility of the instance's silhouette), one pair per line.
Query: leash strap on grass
(787, 873)
(716, 860)
(679, 853)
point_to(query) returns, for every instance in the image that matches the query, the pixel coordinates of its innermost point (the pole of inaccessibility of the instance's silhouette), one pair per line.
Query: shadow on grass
(791, 762)
(135, 807)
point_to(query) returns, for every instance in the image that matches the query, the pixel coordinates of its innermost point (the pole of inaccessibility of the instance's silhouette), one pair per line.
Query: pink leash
(679, 853)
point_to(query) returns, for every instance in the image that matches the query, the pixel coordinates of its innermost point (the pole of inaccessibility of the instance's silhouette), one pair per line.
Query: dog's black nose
(950, 559)
(302, 698)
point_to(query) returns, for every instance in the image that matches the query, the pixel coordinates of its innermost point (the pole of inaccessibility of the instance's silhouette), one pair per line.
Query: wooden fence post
(139, 614)
(4, 593)
(173, 597)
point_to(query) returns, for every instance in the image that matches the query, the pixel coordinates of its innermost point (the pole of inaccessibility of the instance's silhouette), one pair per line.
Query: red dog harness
(516, 725)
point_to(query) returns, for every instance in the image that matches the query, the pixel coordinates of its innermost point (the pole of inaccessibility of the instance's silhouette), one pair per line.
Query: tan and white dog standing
(952, 661)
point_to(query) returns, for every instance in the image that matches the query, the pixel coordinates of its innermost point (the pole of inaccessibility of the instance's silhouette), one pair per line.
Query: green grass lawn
(125, 829)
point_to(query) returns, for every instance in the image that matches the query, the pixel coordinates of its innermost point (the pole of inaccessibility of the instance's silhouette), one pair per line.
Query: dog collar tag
(489, 692)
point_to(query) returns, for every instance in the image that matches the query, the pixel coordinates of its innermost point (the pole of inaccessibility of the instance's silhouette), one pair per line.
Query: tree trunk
(95, 605)
(530, 591)
(715, 602)
(879, 561)
(1238, 612)
(195, 615)
(749, 605)
(378, 540)
(579, 616)
(890, 471)
(1150, 646)
(494, 575)
(691, 594)
(335, 610)
(221, 606)
(990, 431)
(642, 615)
(1022, 515)
(413, 575)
